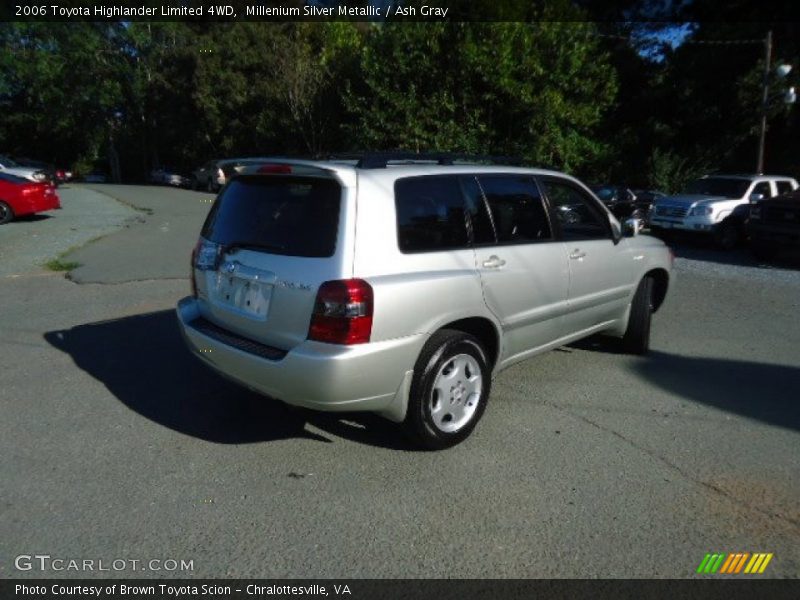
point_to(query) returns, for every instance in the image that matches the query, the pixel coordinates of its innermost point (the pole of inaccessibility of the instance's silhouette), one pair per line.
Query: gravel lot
(115, 442)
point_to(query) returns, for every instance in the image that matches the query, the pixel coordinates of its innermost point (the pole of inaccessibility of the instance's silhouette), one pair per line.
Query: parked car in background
(403, 290)
(645, 200)
(96, 176)
(709, 205)
(214, 174)
(774, 225)
(235, 166)
(167, 176)
(19, 197)
(48, 169)
(13, 168)
(622, 202)
(208, 177)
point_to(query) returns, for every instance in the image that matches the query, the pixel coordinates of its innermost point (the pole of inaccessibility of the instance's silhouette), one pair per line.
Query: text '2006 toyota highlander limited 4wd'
(402, 289)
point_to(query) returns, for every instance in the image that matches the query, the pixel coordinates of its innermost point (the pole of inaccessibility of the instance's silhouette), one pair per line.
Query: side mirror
(756, 197)
(632, 227)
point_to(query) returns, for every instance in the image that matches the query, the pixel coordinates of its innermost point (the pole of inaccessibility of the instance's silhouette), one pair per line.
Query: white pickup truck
(707, 204)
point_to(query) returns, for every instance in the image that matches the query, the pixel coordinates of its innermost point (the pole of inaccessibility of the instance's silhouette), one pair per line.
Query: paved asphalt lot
(116, 443)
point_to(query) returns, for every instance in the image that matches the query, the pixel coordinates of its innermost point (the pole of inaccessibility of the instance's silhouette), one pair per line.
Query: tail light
(205, 257)
(342, 312)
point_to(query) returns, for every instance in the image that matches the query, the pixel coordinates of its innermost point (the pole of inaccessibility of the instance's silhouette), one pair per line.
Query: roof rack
(380, 160)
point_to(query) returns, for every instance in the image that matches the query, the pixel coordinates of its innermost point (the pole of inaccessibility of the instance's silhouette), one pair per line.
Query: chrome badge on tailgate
(244, 289)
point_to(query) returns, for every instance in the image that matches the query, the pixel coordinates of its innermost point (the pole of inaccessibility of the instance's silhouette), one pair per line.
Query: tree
(60, 88)
(534, 90)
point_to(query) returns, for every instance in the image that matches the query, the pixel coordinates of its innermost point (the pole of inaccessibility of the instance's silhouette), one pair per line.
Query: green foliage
(537, 91)
(670, 172)
(552, 91)
(58, 264)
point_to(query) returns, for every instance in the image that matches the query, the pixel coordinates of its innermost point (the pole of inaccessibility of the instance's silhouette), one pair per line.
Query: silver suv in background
(404, 288)
(712, 204)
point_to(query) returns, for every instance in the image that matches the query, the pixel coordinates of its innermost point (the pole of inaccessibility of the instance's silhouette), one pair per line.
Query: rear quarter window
(784, 187)
(430, 214)
(293, 216)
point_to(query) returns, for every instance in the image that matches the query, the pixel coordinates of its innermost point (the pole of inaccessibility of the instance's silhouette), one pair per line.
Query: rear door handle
(577, 254)
(493, 262)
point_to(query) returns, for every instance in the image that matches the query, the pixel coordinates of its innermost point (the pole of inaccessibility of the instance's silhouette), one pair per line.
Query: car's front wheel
(726, 235)
(6, 214)
(637, 336)
(451, 386)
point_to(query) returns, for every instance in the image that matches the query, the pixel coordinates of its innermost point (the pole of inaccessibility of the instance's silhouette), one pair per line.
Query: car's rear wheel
(451, 386)
(6, 214)
(637, 336)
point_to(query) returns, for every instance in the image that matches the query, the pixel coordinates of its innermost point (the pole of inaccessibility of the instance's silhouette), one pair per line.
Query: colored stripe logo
(734, 563)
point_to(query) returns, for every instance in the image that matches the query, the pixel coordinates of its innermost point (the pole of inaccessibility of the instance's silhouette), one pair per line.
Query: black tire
(727, 235)
(661, 233)
(195, 184)
(637, 336)
(6, 214)
(438, 352)
(763, 251)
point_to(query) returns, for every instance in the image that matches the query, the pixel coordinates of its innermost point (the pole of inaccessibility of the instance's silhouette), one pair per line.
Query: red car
(20, 197)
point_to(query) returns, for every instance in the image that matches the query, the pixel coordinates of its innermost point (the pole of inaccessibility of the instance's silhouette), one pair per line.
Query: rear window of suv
(293, 216)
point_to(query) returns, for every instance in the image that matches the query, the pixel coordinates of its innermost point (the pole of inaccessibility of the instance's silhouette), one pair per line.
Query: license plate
(249, 297)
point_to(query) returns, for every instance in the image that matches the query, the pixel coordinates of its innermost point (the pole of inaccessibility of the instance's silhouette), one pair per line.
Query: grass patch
(142, 209)
(59, 264)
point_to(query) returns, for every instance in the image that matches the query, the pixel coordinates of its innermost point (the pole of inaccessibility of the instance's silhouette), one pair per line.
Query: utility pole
(764, 101)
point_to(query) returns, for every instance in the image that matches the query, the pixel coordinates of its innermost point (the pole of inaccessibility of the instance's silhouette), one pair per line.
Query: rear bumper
(365, 377)
(38, 204)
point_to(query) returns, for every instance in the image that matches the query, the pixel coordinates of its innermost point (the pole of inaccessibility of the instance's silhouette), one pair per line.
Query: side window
(763, 189)
(784, 186)
(579, 216)
(430, 214)
(516, 207)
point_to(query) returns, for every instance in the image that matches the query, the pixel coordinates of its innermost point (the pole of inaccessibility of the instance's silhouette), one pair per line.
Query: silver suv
(403, 289)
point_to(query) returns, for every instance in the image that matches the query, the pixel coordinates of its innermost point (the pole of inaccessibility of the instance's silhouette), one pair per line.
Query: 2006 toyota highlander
(404, 287)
